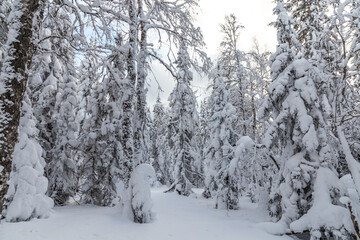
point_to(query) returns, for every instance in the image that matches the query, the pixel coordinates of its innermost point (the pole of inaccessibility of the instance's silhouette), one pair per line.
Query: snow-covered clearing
(177, 217)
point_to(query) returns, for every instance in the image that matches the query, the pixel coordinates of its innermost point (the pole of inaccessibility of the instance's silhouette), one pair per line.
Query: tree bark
(127, 140)
(140, 114)
(14, 79)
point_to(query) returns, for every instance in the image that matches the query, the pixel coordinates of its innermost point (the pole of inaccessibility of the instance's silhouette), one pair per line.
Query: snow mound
(140, 193)
(278, 228)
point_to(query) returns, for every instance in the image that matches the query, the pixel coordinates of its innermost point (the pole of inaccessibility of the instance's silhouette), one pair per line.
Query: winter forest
(270, 151)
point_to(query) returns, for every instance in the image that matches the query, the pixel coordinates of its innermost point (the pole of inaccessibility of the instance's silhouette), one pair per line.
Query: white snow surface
(177, 218)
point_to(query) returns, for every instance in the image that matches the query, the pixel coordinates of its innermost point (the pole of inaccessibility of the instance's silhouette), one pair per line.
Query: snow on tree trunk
(26, 197)
(141, 154)
(138, 203)
(18, 54)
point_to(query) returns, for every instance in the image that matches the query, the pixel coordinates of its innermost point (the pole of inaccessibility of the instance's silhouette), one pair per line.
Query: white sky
(254, 15)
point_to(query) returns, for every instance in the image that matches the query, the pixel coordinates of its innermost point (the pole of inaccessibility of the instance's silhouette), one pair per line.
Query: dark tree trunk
(127, 137)
(14, 78)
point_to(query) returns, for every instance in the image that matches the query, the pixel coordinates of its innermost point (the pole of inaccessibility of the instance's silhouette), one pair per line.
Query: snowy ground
(177, 218)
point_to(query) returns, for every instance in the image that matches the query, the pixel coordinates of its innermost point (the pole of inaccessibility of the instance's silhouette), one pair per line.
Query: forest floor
(177, 218)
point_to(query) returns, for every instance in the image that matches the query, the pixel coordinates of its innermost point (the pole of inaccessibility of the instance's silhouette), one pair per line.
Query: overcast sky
(254, 15)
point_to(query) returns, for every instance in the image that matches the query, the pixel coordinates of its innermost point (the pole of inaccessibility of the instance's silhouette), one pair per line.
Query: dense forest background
(281, 128)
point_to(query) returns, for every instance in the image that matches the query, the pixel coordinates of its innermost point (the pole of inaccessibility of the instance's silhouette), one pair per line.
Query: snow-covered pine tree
(246, 165)
(204, 138)
(221, 180)
(62, 168)
(144, 18)
(147, 135)
(92, 144)
(160, 147)
(234, 62)
(308, 188)
(153, 16)
(104, 161)
(331, 30)
(18, 51)
(183, 121)
(310, 19)
(43, 84)
(118, 91)
(259, 76)
(52, 74)
(26, 197)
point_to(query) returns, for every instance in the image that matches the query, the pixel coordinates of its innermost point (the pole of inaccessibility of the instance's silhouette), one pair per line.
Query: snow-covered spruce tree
(52, 75)
(160, 149)
(118, 90)
(141, 19)
(92, 144)
(43, 83)
(203, 136)
(221, 180)
(183, 121)
(245, 165)
(140, 194)
(26, 197)
(62, 168)
(308, 188)
(259, 79)
(104, 163)
(18, 52)
(331, 30)
(153, 16)
(233, 62)
(255, 170)
(310, 19)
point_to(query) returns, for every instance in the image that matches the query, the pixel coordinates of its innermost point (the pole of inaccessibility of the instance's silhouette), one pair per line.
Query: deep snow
(177, 218)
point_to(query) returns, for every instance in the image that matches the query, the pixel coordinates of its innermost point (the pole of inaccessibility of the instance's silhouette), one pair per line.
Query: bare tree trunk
(14, 79)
